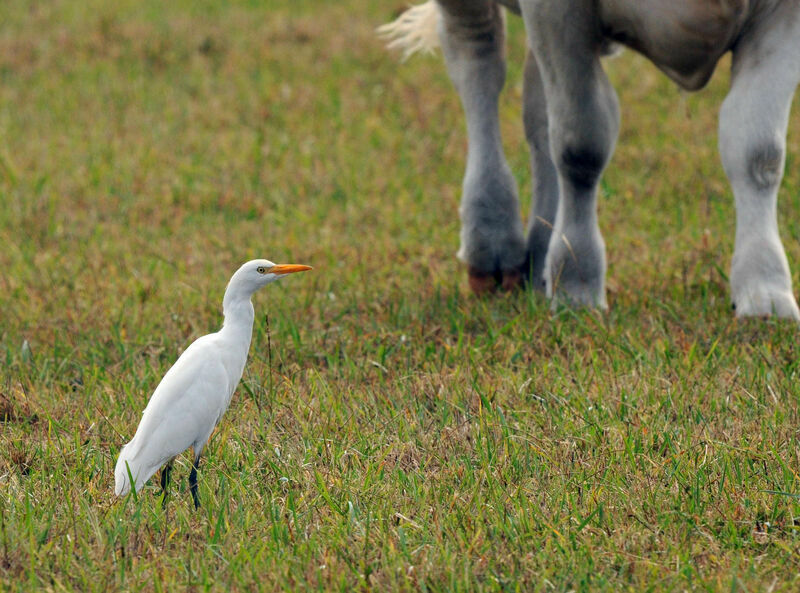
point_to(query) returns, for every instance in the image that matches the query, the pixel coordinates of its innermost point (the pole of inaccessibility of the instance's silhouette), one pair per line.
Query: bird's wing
(184, 408)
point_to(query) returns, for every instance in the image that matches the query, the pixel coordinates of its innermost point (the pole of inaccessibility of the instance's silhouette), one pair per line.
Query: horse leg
(752, 143)
(492, 243)
(583, 121)
(545, 179)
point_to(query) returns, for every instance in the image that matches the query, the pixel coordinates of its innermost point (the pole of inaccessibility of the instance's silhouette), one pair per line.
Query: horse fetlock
(489, 249)
(539, 236)
(491, 227)
(494, 254)
(575, 269)
(766, 301)
(761, 284)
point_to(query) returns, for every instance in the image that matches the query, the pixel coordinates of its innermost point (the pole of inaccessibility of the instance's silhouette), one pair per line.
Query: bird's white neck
(238, 311)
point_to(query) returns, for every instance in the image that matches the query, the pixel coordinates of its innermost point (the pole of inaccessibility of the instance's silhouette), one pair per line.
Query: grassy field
(391, 432)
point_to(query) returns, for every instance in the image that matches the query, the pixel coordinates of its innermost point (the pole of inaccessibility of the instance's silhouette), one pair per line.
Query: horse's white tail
(416, 30)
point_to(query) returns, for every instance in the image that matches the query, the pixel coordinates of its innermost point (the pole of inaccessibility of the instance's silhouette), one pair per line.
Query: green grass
(407, 435)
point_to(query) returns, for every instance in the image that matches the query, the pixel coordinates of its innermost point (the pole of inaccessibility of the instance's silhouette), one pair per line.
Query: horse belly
(684, 38)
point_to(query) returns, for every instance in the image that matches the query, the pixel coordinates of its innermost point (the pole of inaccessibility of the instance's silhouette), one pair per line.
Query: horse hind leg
(492, 242)
(752, 142)
(545, 178)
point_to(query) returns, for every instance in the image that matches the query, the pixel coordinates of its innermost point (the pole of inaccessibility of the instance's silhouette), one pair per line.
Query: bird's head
(260, 272)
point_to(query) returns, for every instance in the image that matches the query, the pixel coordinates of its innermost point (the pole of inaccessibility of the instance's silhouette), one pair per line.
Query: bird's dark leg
(165, 478)
(193, 481)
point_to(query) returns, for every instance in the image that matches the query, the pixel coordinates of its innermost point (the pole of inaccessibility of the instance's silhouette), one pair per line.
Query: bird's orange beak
(288, 268)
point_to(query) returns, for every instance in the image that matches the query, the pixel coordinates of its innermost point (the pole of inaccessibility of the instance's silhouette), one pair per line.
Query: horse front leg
(492, 242)
(583, 122)
(752, 143)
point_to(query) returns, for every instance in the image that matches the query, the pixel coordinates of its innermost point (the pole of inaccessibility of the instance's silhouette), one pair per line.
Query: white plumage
(196, 391)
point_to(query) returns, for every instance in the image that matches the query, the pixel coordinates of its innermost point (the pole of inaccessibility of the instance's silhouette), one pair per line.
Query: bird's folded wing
(186, 403)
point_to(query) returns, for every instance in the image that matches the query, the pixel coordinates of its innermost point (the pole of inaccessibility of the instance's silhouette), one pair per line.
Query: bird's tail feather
(127, 467)
(122, 475)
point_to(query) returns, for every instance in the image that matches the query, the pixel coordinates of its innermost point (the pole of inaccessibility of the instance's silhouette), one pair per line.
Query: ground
(392, 432)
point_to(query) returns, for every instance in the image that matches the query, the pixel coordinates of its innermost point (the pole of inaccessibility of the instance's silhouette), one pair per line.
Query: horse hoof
(482, 283)
(512, 280)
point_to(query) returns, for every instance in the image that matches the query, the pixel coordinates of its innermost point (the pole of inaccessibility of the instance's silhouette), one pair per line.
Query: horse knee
(765, 165)
(754, 163)
(582, 149)
(751, 145)
(582, 164)
(581, 157)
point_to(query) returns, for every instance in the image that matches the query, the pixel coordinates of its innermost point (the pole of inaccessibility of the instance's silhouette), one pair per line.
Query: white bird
(194, 394)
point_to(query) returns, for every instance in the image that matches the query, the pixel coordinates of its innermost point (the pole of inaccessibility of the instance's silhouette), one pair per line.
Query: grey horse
(571, 118)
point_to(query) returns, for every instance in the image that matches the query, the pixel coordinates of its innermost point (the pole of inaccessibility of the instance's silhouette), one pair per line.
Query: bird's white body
(185, 407)
(194, 394)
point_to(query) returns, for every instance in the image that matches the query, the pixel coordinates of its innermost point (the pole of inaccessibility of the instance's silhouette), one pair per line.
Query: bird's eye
(261, 270)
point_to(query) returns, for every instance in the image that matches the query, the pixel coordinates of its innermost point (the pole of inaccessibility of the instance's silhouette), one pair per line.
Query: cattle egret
(194, 394)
